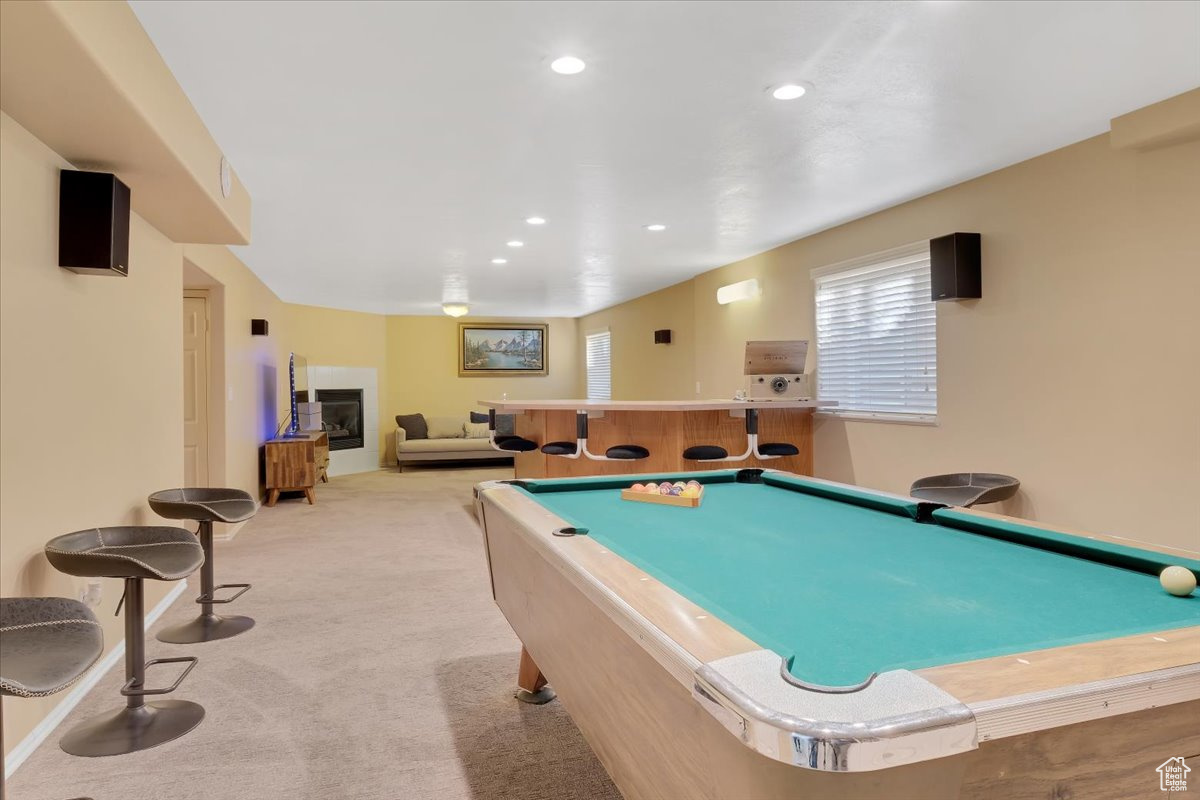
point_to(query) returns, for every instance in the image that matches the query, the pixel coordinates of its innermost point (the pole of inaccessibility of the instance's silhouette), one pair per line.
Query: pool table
(793, 637)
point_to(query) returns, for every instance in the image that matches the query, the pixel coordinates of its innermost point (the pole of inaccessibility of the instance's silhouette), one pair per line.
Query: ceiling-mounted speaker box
(663, 336)
(258, 327)
(954, 267)
(93, 223)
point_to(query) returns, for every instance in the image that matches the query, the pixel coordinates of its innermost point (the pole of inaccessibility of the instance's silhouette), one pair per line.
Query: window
(877, 336)
(599, 366)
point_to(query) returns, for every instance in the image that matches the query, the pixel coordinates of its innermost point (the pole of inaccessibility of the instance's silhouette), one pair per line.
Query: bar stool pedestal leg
(140, 725)
(209, 626)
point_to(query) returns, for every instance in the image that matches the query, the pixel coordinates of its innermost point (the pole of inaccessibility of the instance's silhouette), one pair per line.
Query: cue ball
(1177, 580)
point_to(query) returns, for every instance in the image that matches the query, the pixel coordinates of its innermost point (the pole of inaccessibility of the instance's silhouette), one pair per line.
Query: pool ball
(690, 491)
(650, 487)
(665, 489)
(680, 484)
(1178, 581)
(694, 483)
(637, 487)
(676, 491)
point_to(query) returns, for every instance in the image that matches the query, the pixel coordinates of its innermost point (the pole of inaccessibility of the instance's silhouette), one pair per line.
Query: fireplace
(342, 417)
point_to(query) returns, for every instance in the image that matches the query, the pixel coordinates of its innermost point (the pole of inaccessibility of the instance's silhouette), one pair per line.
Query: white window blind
(877, 336)
(599, 366)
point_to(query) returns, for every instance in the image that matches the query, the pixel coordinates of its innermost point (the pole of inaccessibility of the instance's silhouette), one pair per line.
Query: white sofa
(448, 441)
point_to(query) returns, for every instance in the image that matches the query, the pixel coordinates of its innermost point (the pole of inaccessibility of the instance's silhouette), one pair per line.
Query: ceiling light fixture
(499, 260)
(568, 65)
(742, 290)
(515, 243)
(535, 220)
(656, 227)
(789, 91)
(455, 309)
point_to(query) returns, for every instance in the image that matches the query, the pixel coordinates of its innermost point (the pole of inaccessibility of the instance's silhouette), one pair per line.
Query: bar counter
(663, 427)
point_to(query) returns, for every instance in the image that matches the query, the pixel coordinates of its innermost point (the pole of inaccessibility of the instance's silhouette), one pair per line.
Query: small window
(877, 336)
(599, 366)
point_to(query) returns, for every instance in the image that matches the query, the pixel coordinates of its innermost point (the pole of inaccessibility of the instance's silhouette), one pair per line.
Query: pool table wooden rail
(664, 634)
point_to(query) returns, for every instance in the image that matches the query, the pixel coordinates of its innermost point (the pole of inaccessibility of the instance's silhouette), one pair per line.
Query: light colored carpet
(379, 668)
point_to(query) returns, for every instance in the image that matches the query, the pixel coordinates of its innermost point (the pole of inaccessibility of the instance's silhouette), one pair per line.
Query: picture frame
(494, 349)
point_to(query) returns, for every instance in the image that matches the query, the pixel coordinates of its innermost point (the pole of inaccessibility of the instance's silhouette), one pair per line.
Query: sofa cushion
(445, 427)
(445, 446)
(475, 430)
(414, 426)
(505, 423)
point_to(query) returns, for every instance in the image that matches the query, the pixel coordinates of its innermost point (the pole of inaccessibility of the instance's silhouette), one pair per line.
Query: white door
(195, 391)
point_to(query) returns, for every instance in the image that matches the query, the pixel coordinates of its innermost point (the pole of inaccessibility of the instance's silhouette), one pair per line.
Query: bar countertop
(508, 406)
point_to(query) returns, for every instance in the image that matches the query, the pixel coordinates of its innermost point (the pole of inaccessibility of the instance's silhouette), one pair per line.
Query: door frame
(203, 294)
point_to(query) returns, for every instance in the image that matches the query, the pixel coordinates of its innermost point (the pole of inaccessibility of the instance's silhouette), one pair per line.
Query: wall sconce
(455, 309)
(742, 290)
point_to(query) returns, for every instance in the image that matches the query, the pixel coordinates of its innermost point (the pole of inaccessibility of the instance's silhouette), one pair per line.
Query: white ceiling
(392, 149)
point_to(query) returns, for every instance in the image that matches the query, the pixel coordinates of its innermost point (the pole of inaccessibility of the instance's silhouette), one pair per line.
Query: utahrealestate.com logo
(1172, 775)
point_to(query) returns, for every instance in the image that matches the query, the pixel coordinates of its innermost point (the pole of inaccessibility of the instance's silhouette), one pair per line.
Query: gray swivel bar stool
(966, 489)
(206, 506)
(46, 644)
(135, 554)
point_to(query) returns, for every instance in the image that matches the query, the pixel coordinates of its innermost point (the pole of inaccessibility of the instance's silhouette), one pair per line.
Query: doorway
(196, 380)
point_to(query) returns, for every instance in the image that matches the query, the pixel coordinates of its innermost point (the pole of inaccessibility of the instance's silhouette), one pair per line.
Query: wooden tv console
(296, 463)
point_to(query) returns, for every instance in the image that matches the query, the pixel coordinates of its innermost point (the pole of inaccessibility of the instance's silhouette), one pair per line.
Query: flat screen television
(298, 385)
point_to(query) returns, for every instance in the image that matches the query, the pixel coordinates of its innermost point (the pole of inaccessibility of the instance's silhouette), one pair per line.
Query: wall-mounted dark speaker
(954, 267)
(93, 223)
(258, 327)
(663, 336)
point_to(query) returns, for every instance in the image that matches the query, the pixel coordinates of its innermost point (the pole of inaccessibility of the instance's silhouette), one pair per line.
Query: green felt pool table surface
(850, 583)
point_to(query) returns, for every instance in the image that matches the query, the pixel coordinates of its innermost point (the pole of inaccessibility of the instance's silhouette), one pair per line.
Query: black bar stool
(507, 443)
(135, 554)
(579, 447)
(48, 643)
(763, 451)
(206, 506)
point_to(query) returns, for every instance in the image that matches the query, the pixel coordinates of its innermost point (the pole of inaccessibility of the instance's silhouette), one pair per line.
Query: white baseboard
(229, 531)
(39, 734)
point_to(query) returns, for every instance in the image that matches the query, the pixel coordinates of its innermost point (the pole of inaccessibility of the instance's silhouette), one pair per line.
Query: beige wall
(91, 398)
(647, 371)
(1076, 372)
(422, 375)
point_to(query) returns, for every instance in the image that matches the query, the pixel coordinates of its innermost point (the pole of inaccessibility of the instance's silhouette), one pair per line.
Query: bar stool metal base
(129, 730)
(205, 628)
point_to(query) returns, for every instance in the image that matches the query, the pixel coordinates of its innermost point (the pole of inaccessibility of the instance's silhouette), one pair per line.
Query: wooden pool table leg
(531, 683)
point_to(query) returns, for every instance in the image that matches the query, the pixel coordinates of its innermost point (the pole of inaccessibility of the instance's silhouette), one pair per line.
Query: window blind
(877, 336)
(599, 366)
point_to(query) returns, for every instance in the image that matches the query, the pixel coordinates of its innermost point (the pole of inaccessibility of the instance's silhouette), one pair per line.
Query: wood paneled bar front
(664, 427)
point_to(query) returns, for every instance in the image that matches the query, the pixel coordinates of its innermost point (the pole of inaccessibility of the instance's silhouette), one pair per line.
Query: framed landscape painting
(490, 349)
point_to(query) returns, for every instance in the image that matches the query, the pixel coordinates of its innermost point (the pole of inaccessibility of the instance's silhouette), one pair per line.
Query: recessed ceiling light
(568, 65)
(455, 309)
(789, 91)
(499, 260)
(656, 227)
(515, 243)
(535, 220)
